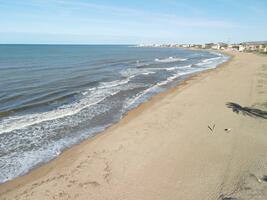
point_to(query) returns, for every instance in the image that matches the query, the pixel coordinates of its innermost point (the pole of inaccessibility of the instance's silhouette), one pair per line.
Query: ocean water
(54, 96)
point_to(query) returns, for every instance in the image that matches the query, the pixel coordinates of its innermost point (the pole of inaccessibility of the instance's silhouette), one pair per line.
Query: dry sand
(164, 148)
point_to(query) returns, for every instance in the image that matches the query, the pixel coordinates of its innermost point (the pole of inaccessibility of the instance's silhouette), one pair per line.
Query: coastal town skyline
(255, 46)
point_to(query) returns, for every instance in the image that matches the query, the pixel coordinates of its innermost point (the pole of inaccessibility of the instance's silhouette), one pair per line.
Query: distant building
(222, 45)
(198, 46)
(216, 46)
(185, 45)
(241, 48)
(207, 46)
(262, 46)
(219, 46)
(251, 47)
(233, 47)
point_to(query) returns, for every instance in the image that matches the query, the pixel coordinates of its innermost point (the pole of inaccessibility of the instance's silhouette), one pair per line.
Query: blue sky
(132, 22)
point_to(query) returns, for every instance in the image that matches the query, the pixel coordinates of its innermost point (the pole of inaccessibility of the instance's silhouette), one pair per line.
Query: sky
(132, 21)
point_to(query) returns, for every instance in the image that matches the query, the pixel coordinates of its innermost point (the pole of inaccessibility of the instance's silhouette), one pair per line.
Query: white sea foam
(170, 60)
(186, 70)
(133, 72)
(28, 159)
(147, 73)
(175, 68)
(139, 65)
(91, 97)
(138, 98)
(209, 61)
(216, 53)
(153, 70)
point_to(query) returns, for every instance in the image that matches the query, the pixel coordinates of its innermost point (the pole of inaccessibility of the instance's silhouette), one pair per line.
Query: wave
(8, 98)
(141, 97)
(186, 70)
(91, 97)
(170, 60)
(130, 73)
(30, 105)
(173, 68)
(147, 73)
(153, 70)
(141, 64)
(211, 59)
(208, 61)
(216, 53)
(178, 67)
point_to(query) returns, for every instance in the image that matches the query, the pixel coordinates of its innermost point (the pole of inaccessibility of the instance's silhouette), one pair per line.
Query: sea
(55, 96)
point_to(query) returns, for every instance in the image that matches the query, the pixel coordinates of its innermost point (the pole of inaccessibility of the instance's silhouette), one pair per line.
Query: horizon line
(162, 43)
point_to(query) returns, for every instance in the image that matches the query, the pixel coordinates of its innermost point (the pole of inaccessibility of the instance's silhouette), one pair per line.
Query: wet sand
(164, 149)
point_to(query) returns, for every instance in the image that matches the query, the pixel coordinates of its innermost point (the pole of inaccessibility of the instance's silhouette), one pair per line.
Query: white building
(216, 46)
(185, 45)
(241, 48)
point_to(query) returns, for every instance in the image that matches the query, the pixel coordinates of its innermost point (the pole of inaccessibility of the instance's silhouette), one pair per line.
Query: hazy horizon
(120, 22)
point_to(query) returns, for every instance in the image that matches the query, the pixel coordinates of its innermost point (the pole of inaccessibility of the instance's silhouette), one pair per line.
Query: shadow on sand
(247, 111)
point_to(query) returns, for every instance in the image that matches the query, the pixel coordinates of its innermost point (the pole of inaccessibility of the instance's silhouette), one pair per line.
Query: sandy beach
(186, 143)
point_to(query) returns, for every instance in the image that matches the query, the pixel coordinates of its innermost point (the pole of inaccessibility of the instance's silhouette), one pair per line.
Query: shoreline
(131, 114)
(73, 154)
(118, 98)
(150, 101)
(175, 84)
